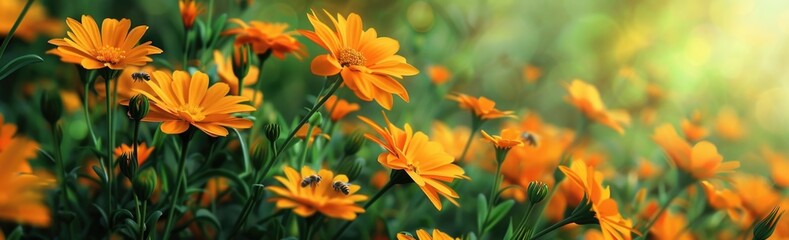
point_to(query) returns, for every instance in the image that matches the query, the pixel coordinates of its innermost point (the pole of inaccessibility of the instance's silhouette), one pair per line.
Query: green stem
(306, 149)
(61, 169)
(110, 166)
(87, 116)
(13, 28)
(520, 234)
(663, 208)
(186, 49)
(552, 228)
(139, 216)
(177, 192)
(242, 218)
(476, 124)
(378, 195)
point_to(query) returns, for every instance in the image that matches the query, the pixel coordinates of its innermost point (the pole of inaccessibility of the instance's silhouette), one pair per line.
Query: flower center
(109, 54)
(412, 168)
(350, 56)
(191, 113)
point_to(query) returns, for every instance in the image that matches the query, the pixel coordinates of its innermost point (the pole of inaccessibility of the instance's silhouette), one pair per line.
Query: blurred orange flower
(701, 162)
(779, 166)
(758, 197)
(35, 22)
(728, 124)
(224, 68)
(692, 128)
(339, 108)
(510, 137)
(421, 234)
(670, 227)
(379, 179)
(647, 169)
(453, 139)
(586, 98)
(439, 74)
(316, 132)
(180, 101)
(143, 151)
(114, 47)
(321, 197)
(71, 101)
(423, 160)
(366, 62)
(482, 107)
(264, 37)
(724, 199)
(189, 12)
(531, 73)
(612, 224)
(23, 194)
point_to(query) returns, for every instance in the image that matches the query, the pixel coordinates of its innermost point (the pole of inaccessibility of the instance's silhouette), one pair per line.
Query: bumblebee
(139, 76)
(311, 180)
(342, 187)
(530, 138)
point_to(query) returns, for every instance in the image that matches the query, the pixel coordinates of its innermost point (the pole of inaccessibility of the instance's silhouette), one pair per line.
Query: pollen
(350, 56)
(191, 113)
(109, 54)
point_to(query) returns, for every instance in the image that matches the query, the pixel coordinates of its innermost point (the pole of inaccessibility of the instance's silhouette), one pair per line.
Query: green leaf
(17, 234)
(132, 225)
(244, 154)
(482, 211)
(99, 172)
(153, 218)
(119, 212)
(18, 63)
(508, 234)
(104, 219)
(498, 213)
(208, 216)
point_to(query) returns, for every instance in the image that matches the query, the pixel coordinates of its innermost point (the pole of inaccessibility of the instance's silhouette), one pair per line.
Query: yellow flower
(701, 162)
(439, 74)
(22, 196)
(143, 151)
(114, 47)
(482, 107)
(180, 101)
(612, 224)
(423, 160)
(366, 62)
(322, 197)
(224, 68)
(586, 98)
(692, 128)
(36, 20)
(423, 235)
(510, 137)
(339, 108)
(189, 11)
(264, 37)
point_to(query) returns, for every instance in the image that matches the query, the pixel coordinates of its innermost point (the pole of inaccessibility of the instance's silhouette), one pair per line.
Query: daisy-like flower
(586, 98)
(339, 108)
(143, 151)
(702, 161)
(421, 234)
(482, 107)
(320, 197)
(22, 197)
(723, 199)
(224, 68)
(316, 132)
(265, 37)
(439, 74)
(612, 224)
(113, 47)
(366, 62)
(509, 138)
(35, 22)
(180, 101)
(189, 11)
(423, 160)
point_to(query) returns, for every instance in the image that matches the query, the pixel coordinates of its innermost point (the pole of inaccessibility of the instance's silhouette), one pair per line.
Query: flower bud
(241, 61)
(316, 119)
(353, 143)
(351, 168)
(51, 106)
(259, 153)
(766, 226)
(537, 191)
(138, 107)
(128, 164)
(145, 183)
(272, 131)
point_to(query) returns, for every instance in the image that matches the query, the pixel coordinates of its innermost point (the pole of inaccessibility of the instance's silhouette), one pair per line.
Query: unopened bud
(128, 165)
(51, 106)
(353, 143)
(316, 119)
(145, 183)
(138, 107)
(259, 153)
(537, 191)
(351, 168)
(766, 226)
(272, 131)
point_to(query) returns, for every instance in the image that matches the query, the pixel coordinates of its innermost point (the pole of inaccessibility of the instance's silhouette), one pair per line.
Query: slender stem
(314, 225)
(307, 144)
(139, 216)
(186, 49)
(87, 117)
(177, 192)
(242, 218)
(552, 227)
(522, 225)
(475, 125)
(259, 83)
(110, 166)
(663, 208)
(13, 28)
(378, 195)
(495, 187)
(61, 169)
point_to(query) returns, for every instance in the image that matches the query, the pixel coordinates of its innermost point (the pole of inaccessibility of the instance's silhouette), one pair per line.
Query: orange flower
(453, 139)
(647, 169)
(224, 68)
(439, 74)
(143, 152)
(693, 129)
(36, 20)
(126, 84)
(423, 160)
(316, 132)
(115, 47)
(264, 37)
(728, 124)
(779, 166)
(306, 201)
(24, 193)
(612, 224)
(339, 108)
(510, 137)
(482, 107)
(723, 199)
(701, 162)
(758, 197)
(670, 227)
(189, 11)
(586, 98)
(366, 62)
(379, 179)
(180, 101)
(423, 235)
(531, 73)
(214, 188)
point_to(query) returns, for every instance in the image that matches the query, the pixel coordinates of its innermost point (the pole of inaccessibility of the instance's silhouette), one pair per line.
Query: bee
(530, 138)
(342, 187)
(139, 76)
(311, 180)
